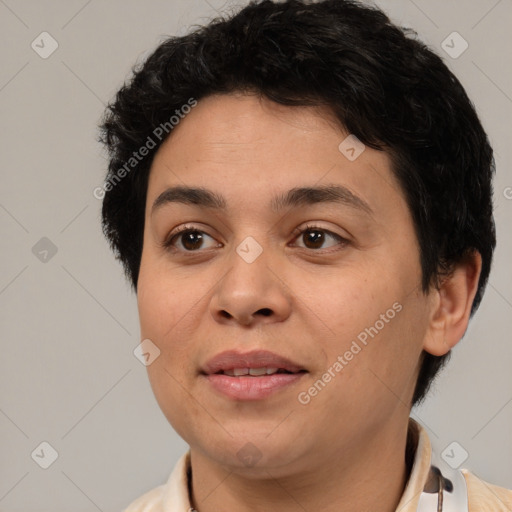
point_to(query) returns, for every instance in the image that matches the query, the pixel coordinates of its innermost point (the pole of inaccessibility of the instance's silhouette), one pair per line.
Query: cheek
(391, 345)
(172, 391)
(165, 305)
(374, 323)
(163, 299)
(349, 302)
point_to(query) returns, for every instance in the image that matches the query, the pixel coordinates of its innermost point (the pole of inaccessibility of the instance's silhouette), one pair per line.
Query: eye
(315, 236)
(191, 239)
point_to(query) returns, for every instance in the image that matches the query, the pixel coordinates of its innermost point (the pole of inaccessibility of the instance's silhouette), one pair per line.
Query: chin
(251, 452)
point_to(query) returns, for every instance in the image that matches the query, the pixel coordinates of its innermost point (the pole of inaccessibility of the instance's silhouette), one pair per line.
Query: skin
(345, 449)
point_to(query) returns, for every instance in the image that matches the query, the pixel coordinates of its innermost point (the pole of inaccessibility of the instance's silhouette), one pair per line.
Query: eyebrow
(295, 197)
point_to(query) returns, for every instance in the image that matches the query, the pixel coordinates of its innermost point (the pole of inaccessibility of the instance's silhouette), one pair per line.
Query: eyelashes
(179, 235)
(312, 228)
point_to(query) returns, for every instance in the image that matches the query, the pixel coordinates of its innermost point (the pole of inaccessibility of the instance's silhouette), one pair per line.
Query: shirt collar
(416, 435)
(176, 493)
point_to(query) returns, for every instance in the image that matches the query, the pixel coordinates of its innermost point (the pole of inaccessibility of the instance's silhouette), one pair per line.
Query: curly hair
(382, 84)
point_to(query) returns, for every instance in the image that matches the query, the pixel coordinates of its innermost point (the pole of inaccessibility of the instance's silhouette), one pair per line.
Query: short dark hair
(382, 84)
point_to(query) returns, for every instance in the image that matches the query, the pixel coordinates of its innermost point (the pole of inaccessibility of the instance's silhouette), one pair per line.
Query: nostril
(265, 311)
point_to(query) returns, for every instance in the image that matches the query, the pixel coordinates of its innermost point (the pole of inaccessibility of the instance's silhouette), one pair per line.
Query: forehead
(248, 147)
(251, 116)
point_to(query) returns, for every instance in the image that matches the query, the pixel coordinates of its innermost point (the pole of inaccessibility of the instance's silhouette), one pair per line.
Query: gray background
(69, 324)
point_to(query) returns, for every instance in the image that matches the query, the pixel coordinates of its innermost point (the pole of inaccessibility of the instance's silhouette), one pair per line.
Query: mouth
(252, 375)
(255, 363)
(255, 372)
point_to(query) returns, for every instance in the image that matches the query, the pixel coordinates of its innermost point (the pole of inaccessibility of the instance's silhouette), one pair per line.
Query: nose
(251, 293)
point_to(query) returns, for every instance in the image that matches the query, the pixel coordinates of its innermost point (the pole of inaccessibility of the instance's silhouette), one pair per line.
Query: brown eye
(314, 237)
(190, 239)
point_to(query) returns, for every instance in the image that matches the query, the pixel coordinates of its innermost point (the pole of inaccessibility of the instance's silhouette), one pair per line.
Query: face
(328, 282)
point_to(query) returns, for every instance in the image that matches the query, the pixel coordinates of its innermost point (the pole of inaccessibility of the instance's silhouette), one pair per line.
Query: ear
(451, 306)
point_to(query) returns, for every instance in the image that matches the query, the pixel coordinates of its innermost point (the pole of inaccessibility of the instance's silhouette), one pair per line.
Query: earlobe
(451, 306)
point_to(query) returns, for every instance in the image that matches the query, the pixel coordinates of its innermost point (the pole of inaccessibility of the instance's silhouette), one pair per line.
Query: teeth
(258, 371)
(255, 372)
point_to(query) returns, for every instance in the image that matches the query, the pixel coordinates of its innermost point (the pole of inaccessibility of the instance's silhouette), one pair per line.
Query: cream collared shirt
(469, 493)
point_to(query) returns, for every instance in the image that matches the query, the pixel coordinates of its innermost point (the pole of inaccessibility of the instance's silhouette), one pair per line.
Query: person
(307, 224)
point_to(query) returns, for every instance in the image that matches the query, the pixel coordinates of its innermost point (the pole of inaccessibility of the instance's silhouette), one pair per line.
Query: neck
(369, 476)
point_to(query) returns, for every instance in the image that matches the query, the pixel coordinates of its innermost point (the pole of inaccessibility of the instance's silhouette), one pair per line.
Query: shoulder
(485, 496)
(150, 501)
(169, 497)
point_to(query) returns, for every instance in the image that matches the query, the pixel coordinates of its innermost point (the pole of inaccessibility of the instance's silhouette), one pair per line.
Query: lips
(250, 376)
(255, 363)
